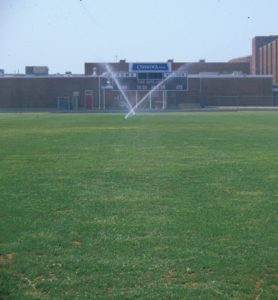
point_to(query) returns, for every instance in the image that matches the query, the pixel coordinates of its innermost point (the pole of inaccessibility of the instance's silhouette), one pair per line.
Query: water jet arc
(132, 112)
(114, 78)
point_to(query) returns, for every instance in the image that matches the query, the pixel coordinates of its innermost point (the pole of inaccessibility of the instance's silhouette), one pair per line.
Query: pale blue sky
(63, 34)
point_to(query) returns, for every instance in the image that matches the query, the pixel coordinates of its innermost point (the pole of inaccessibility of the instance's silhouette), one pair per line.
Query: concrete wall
(42, 92)
(239, 91)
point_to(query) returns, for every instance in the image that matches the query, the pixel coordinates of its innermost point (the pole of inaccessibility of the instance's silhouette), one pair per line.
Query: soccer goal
(63, 103)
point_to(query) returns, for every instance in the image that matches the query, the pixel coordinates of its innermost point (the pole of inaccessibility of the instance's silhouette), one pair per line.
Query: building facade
(245, 81)
(265, 56)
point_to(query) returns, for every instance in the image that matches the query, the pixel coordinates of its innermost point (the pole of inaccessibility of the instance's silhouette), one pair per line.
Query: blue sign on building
(150, 67)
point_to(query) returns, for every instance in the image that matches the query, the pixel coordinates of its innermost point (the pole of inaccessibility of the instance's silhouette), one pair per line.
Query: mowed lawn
(160, 206)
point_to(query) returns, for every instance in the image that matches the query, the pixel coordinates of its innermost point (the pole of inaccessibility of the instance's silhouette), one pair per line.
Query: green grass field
(160, 206)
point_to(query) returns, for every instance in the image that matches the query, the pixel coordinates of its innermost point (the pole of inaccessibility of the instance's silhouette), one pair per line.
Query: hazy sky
(63, 34)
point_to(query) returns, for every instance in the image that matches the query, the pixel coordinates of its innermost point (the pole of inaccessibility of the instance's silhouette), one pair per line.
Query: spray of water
(132, 112)
(115, 79)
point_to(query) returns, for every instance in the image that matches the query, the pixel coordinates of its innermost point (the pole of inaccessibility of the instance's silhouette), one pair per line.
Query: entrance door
(89, 99)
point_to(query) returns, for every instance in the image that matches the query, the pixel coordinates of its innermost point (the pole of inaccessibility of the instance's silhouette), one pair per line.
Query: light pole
(99, 92)
(103, 98)
(201, 100)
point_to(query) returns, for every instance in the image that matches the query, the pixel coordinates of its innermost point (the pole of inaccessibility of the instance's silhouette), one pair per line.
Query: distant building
(36, 70)
(265, 56)
(190, 67)
(244, 81)
(243, 59)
